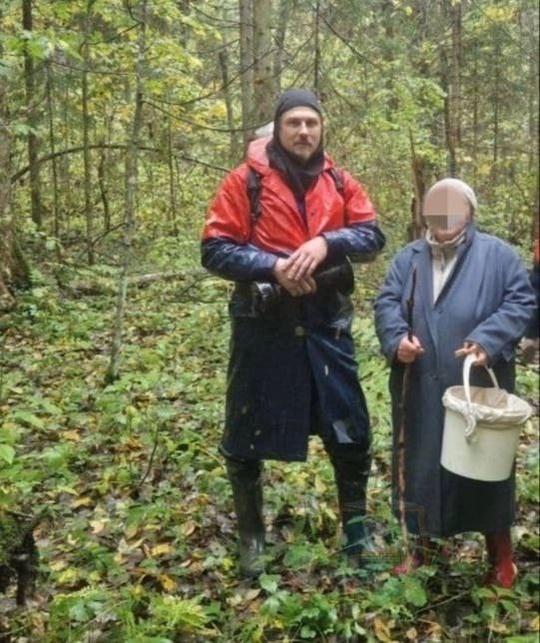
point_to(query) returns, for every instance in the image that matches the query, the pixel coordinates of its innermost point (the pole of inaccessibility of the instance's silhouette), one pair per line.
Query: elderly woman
(472, 296)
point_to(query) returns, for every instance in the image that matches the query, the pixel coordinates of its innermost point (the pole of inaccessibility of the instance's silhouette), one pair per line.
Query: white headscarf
(454, 186)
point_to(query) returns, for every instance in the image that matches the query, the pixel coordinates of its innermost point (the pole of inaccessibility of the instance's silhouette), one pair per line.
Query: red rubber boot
(502, 570)
(425, 552)
(412, 561)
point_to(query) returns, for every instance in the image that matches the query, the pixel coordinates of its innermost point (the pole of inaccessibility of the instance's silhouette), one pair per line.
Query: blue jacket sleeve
(500, 332)
(237, 262)
(358, 242)
(390, 323)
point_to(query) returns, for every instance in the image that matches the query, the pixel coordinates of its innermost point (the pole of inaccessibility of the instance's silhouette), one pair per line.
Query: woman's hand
(408, 350)
(470, 348)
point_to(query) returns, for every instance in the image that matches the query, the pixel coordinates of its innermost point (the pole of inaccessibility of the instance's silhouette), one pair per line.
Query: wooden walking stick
(402, 408)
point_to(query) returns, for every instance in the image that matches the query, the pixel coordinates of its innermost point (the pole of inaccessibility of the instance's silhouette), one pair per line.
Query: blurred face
(446, 212)
(300, 132)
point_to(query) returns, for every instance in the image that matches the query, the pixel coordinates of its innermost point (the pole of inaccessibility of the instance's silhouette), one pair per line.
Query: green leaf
(414, 592)
(298, 556)
(39, 293)
(51, 408)
(307, 632)
(78, 612)
(7, 453)
(269, 582)
(29, 418)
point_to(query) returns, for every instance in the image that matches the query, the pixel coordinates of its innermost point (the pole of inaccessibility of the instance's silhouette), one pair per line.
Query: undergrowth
(139, 543)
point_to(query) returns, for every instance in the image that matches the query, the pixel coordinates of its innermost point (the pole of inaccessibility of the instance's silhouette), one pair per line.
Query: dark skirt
(439, 502)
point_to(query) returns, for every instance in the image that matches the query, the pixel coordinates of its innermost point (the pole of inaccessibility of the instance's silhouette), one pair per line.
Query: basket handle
(467, 363)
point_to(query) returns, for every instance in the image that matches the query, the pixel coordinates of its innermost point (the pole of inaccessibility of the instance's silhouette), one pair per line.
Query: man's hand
(304, 261)
(297, 287)
(470, 348)
(408, 351)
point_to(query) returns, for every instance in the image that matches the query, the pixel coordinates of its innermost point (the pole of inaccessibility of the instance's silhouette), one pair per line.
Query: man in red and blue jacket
(292, 369)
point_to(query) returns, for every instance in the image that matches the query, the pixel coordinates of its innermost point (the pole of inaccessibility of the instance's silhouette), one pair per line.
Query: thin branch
(150, 460)
(346, 42)
(110, 146)
(224, 130)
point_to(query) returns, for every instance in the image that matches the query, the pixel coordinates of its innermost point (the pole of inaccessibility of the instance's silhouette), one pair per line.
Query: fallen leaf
(500, 628)
(382, 631)
(252, 594)
(57, 565)
(71, 436)
(131, 531)
(167, 583)
(188, 528)
(98, 526)
(162, 548)
(85, 501)
(125, 548)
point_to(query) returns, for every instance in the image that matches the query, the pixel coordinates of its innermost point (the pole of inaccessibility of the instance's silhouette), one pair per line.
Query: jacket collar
(422, 260)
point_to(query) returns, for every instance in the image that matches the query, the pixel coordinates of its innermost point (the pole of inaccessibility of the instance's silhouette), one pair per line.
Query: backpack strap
(337, 176)
(253, 188)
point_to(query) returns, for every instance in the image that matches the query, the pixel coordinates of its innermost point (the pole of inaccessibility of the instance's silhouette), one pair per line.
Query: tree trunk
(224, 66)
(185, 30)
(264, 93)
(86, 137)
(52, 147)
(13, 268)
(529, 20)
(452, 84)
(420, 174)
(32, 119)
(285, 9)
(66, 191)
(7, 301)
(475, 110)
(496, 108)
(317, 61)
(456, 85)
(131, 177)
(172, 181)
(392, 104)
(246, 67)
(101, 171)
(258, 90)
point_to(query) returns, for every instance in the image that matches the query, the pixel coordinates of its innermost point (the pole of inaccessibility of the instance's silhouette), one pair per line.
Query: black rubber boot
(245, 477)
(351, 471)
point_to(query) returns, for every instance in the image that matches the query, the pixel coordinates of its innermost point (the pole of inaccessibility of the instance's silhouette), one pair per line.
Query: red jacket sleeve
(229, 213)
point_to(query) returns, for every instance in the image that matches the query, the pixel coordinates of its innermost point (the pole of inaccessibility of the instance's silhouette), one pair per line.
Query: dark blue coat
(292, 368)
(488, 300)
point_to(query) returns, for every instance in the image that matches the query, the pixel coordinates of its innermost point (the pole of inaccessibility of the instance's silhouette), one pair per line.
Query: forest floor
(137, 539)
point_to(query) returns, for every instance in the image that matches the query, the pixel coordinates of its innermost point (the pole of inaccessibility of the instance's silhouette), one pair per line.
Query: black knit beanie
(296, 98)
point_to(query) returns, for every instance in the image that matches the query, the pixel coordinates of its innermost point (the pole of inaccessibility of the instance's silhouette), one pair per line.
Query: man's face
(300, 131)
